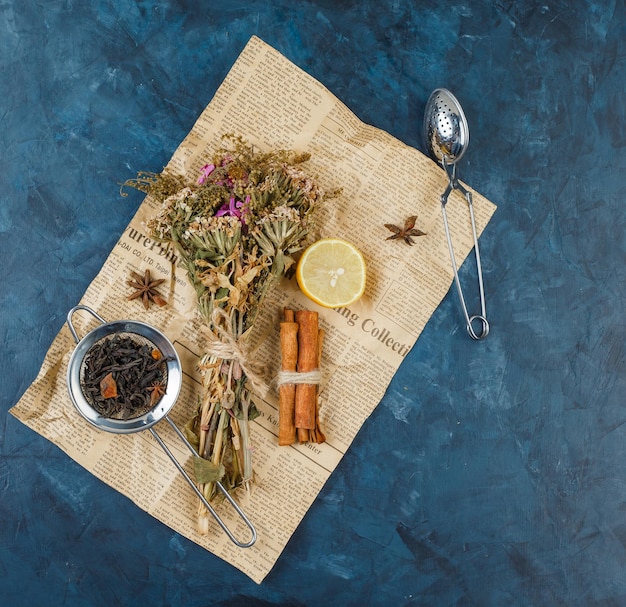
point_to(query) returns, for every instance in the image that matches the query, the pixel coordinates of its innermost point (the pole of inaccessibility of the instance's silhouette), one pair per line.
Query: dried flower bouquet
(236, 229)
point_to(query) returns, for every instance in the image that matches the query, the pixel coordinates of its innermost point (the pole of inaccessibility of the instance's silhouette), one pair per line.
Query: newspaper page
(273, 104)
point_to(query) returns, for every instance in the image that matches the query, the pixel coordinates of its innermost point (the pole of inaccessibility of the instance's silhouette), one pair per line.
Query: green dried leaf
(221, 294)
(190, 435)
(206, 471)
(253, 412)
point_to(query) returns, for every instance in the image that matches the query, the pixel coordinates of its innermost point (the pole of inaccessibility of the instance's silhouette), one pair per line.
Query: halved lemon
(332, 273)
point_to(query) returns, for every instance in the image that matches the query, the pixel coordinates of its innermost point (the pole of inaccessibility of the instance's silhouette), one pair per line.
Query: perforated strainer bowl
(445, 127)
(141, 333)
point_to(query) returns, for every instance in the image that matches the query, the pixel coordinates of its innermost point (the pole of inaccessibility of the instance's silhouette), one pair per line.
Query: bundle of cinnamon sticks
(301, 350)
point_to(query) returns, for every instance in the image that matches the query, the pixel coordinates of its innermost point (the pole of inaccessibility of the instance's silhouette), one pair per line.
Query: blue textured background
(492, 473)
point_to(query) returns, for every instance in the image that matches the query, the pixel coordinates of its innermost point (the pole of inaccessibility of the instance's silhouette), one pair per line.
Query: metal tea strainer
(446, 135)
(141, 334)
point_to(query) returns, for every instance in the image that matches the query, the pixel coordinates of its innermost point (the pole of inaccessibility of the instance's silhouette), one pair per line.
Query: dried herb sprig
(236, 227)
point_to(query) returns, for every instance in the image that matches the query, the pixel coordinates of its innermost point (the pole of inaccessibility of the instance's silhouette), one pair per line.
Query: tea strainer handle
(207, 505)
(86, 309)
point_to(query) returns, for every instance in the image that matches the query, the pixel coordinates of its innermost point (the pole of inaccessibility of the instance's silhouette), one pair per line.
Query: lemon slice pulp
(331, 272)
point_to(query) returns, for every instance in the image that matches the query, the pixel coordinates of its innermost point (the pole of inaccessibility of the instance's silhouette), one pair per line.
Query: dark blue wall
(492, 473)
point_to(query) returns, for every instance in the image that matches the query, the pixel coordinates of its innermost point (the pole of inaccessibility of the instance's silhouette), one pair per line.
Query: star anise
(145, 288)
(156, 392)
(405, 233)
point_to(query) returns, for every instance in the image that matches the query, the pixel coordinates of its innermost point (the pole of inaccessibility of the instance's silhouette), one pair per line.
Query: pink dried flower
(234, 208)
(205, 171)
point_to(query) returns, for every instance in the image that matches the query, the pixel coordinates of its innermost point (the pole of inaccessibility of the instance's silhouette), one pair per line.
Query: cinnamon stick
(287, 392)
(317, 436)
(306, 394)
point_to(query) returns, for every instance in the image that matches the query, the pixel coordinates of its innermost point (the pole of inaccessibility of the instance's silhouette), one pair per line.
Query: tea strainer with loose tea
(124, 377)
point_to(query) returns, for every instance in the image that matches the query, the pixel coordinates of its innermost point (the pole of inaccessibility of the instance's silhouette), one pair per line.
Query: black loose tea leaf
(137, 370)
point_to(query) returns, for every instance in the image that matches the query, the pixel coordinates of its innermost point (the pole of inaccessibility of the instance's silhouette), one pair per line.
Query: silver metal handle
(481, 318)
(86, 309)
(197, 491)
